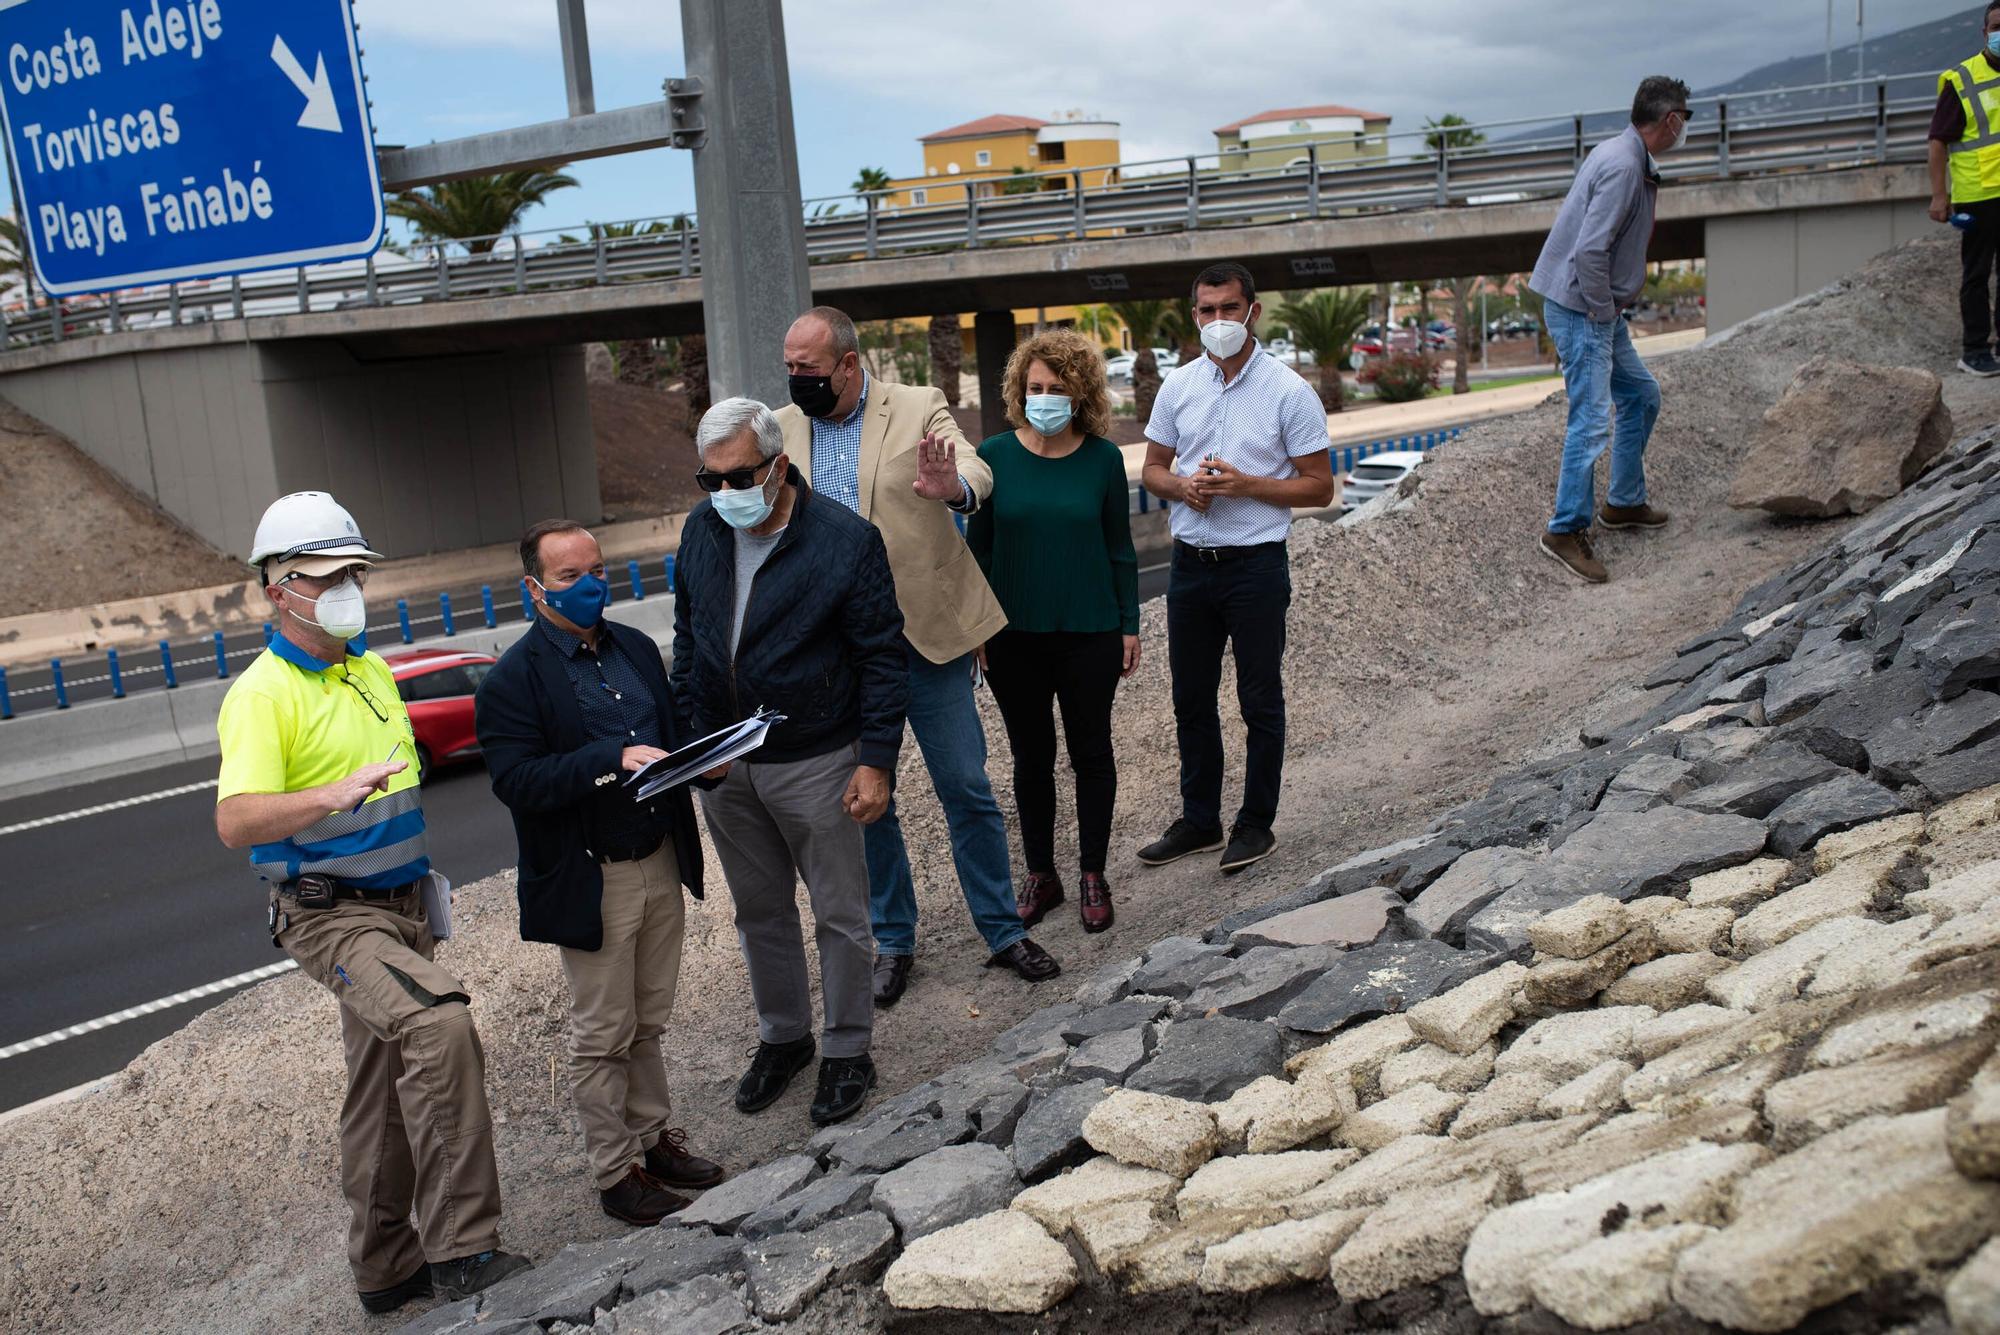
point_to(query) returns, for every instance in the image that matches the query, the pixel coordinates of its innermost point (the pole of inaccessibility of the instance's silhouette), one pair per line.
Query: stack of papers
(702, 755)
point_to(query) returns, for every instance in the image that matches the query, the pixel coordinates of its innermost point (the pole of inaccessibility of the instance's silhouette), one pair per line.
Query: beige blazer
(948, 610)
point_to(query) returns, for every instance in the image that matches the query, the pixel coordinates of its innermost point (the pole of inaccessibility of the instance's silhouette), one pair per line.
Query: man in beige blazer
(893, 454)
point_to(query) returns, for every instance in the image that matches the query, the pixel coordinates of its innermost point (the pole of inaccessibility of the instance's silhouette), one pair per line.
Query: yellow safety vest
(1975, 159)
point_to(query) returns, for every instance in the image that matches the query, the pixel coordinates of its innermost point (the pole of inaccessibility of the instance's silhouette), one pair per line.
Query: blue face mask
(1993, 43)
(742, 509)
(1048, 413)
(582, 603)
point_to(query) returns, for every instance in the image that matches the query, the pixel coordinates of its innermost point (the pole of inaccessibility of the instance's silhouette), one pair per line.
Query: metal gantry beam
(576, 57)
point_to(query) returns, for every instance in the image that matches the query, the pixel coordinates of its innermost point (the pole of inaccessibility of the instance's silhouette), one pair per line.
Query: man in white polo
(1238, 440)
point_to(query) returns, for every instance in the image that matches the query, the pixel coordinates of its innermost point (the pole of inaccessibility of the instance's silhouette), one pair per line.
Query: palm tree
(1142, 319)
(1324, 323)
(476, 211)
(13, 248)
(1178, 331)
(1461, 314)
(694, 378)
(947, 355)
(1445, 132)
(870, 178)
(1097, 322)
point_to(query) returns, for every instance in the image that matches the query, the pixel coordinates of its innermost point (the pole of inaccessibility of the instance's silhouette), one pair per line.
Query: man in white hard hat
(317, 782)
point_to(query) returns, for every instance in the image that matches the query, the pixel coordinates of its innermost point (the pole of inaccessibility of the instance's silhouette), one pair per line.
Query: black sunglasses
(736, 479)
(1683, 112)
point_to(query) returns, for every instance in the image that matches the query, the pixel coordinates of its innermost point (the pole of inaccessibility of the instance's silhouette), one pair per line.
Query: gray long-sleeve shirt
(1595, 258)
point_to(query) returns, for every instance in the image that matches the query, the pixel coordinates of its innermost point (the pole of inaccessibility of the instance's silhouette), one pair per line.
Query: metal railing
(1744, 134)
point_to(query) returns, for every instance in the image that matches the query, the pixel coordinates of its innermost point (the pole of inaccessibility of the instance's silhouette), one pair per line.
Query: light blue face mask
(1993, 43)
(1048, 413)
(742, 509)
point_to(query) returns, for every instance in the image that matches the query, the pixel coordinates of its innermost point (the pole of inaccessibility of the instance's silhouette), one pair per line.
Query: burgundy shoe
(1096, 905)
(669, 1162)
(1038, 894)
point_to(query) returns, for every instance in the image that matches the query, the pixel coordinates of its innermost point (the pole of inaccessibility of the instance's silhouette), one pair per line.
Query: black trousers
(1032, 672)
(1979, 249)
(1240, 603)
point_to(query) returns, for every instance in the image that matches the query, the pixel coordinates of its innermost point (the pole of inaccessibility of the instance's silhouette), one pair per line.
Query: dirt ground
(1430, 650)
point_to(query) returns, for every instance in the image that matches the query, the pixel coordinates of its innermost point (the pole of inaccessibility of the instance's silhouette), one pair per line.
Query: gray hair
(1658, 96)
(846, 338)
(727, 420)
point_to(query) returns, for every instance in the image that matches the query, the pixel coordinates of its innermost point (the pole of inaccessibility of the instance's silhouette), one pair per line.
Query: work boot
(844, 1083)
(770, 1071)
(1573, 552)
(892, 975)
(1632, 516)
(463, 1276)
(1027, 959)
(1247, 844)
(377, 1301)
(639, 1198)
(1042, 891)
(1182, 838)
(670, 1163)
(1096, 905)
(1979, 363)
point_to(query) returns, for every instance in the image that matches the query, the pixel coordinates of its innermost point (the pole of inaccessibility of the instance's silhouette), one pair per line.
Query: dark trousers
(1242, 603)
(1979, 248)
(1031, 673)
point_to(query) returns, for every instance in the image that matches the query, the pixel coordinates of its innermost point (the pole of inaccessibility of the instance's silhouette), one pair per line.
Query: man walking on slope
(1965, 130)
(1592, 267)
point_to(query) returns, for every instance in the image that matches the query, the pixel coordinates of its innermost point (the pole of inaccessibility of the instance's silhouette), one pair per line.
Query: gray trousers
(772, 825)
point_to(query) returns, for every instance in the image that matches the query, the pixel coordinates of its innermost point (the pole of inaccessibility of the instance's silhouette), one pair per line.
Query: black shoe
(770, 1071)
(1247, 844)
(418, 1285)
(1182, 838)
(844, 1083)
(1979, 364)
(466, 1275)
(892, 975)
(670, 1163)
(1024, 957)
(639, 1198)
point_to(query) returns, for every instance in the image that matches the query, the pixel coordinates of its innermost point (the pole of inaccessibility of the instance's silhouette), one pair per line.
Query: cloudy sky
(869, 76)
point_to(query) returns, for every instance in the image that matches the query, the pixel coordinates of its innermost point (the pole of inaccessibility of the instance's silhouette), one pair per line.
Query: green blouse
(1055, 538)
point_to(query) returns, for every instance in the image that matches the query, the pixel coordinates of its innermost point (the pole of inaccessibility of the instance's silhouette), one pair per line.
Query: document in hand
(699, 757)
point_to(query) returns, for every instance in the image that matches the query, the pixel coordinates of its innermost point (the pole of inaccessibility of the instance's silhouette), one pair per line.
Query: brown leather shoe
(1632, 516)
(670, 1163)
(1096, 905)
(1573, 552)
(1042, 891)
(640, 1198)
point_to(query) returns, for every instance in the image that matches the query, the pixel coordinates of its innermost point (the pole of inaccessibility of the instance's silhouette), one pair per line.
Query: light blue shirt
(836, 454)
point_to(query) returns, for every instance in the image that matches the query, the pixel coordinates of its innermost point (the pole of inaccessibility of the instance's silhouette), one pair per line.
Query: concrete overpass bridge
(444, 396)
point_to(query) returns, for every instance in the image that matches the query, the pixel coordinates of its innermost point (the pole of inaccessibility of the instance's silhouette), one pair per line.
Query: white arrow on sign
(321, 112)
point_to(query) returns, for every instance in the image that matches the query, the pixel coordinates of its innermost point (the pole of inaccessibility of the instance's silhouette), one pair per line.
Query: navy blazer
(555, 781)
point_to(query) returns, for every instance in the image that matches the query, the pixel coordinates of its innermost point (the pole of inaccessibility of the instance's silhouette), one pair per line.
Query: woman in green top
(1055, 541)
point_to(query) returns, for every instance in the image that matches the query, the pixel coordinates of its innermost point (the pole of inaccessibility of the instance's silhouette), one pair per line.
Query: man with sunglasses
(318, 782)
(1592, 267)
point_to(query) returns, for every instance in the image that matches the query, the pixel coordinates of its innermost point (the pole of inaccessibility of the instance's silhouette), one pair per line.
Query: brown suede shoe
(670, 1163)
(1096, 905)
(1632, 516)
(1042, 891)
(1573, 552)
(639, 1198)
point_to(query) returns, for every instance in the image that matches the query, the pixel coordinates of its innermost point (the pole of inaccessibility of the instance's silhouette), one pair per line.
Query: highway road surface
(118, 897)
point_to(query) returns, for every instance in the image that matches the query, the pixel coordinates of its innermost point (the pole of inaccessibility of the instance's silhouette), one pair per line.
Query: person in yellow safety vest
(318, 782)
(1965, 134)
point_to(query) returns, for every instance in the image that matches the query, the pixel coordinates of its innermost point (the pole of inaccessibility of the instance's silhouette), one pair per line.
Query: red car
(437, 686)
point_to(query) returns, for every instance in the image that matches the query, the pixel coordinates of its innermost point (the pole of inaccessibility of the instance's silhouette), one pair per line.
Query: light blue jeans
(946, 722)
(1602, 372)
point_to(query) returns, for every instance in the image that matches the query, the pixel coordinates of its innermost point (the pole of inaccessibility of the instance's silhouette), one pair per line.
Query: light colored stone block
(1672, 1029)
(1877, 959)
(1874, 1199)
(1565, 1046)
(1695, 929)
(1907, 1028)
(1573, 982)
(1969, 814)
(1894, 835)
(1466, 1018)
(1753, 1034)
(1816, 1103)
(1355, 1057)
(1283, 1253)
(1738, 887)
(1430, 1064)
(1270, 1114)
(1111, 1235)
(1972, 1299)
(1779, 973)
(1617, 1280)
(1628, 1139)
(1972, 1130)
(1968, 934)
(1174, 1259)
(1967, 892)
(1414, 1238)
(1420, 1110)
(1598, 1090)
(1850, 889)
(1507, 1099)
(1405, 1163)
(1101, 1181)
(1581, 929)
(1000, 1262)
(1152, 1131)
(1666, 984)
(1258, 1182)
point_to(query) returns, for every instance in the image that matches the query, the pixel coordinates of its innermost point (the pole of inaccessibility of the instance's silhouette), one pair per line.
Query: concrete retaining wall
(1760, 260)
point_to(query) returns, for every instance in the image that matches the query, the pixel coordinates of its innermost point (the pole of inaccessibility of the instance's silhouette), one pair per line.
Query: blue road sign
(155, 140)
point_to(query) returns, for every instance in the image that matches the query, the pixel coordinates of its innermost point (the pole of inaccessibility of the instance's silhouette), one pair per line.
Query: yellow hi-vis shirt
(1975, 158)
(292, 722)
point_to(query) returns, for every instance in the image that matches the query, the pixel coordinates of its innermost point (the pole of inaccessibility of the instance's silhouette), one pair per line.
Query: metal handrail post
(173, 304)
(602, 272)
(1076, 189)
(1193, 196)
(873, 202)
(444, 272)
(236, 295)
(1312, 179)
(305, 292)
(1444, 168)
(1576, 141)
(1881, 120)
(1722, 135)
(687, 251)
(971, 218)
(520, 264)
(111, 305)
(374, 292)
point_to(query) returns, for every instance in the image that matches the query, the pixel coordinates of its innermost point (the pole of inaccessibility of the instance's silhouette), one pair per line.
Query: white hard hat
(311, 533)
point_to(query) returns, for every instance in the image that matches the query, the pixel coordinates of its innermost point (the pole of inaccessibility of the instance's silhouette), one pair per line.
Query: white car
(1118, 369)
(1375, 475)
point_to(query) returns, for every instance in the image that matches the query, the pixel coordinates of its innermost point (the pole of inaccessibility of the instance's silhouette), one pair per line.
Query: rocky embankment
(1694, 1026)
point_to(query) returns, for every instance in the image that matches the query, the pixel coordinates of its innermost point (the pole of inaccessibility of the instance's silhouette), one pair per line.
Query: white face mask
(340, 611)
(1224, 338)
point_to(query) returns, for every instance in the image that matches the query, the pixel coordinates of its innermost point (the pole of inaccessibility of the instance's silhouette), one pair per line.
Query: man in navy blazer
(574, 706)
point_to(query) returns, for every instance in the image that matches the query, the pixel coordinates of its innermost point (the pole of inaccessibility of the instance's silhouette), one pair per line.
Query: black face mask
(814, 394)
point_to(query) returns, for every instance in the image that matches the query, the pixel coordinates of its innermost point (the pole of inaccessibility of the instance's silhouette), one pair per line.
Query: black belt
(636, 854)
(315, 890)
(1217, 555)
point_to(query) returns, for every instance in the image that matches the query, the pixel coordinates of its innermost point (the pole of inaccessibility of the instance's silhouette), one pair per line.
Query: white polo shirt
(1259, 423)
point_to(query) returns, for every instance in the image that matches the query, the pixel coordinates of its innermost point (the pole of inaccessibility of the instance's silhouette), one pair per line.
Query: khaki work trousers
(415, 1131)
(620, 998)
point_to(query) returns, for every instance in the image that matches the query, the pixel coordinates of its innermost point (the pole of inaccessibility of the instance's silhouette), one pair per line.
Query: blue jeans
(946, 722)
(1601, 371)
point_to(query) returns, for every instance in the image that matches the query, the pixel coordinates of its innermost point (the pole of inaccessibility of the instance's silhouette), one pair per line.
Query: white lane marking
(101, 808)
(149, 1008)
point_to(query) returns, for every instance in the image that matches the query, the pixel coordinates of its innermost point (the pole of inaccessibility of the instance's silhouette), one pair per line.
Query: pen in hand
(385, 760)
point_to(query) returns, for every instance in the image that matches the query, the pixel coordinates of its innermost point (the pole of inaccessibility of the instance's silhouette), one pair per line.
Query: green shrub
(1401, 377)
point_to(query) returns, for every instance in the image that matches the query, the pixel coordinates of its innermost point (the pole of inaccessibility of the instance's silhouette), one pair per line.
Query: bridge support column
(746, 189)
(992, 344)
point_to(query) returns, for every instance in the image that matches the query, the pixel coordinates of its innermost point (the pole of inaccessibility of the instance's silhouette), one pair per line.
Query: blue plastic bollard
(486, 605)
(667, 568)
(167, 664)
(527, 607)
(638, 585)
(221, 658)
(6, 705)
(117, 677)
(444, 607)
(62, 692)
(403, 618)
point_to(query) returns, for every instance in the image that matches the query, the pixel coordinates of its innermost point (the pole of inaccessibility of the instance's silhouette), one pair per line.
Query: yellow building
(1273, 140)
(978, 157)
